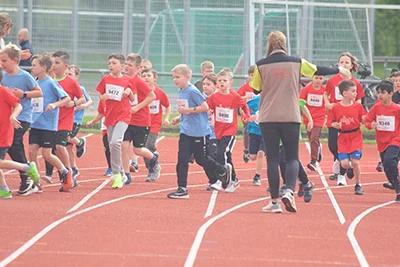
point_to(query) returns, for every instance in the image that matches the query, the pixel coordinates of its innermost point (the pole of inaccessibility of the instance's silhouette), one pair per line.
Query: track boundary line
(211, 204)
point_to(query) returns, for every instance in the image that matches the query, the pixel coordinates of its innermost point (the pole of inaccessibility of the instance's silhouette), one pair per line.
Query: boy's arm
(370, 120)
(176, 120)
(97, 118)
(60, 103)
(167, 114)
(203, 107)
(13, 118)
(34, 93)
(328, 104)
(307, 113)
(150, 97)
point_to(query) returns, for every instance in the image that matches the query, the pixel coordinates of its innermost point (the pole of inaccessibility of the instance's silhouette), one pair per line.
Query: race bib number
(385, 123)
(154, 107)
(211, 120)
(314, 100)
(135, 100)
(37, 105)
(224, 115)
(114, 92)
(102, 127)
(338, 95)
(183, 103)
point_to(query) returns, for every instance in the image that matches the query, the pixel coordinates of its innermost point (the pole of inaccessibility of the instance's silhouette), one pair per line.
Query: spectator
(5, 27)
(25, 44)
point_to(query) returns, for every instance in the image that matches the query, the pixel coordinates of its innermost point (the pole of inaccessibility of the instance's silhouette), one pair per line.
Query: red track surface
(139, 226)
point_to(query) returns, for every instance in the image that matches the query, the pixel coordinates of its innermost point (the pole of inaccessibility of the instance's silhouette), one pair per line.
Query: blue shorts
(256, 143)
(353, 155)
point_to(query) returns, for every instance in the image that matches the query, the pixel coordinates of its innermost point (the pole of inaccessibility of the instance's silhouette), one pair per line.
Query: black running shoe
(25, 187)
(179, 193)
(379, 167)
(334, 176)
(388, 185)
(81, 148)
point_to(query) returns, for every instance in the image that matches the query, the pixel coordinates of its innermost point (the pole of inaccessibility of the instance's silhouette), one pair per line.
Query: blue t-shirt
(254, 104)
(195, 125)
(24, 81)
(78, 114)
(52, 92)
(210, 118)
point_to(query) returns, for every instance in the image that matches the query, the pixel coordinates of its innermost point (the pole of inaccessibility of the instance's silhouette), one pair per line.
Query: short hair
(76, 69)
(117, 56)
(226, 72)
(135, 58)
(345, 86)
(353, 59)
(395, 74)
(211, 76)
(206, 65)
(5, 19)
(148, 62)
(182, 69)
(63, 55)
(251, 69)
(12, 51)
(44, 60)
(1, 75)
(386, 85)
(155, 74)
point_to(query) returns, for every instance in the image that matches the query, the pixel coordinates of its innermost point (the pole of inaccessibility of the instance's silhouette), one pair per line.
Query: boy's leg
(49, 167)
(246, 155)
(80, 143)
(390, 162)
(184, 152)
(151, 144)
(211, 152)
(115, 137)
(107, 150)
(4, 190)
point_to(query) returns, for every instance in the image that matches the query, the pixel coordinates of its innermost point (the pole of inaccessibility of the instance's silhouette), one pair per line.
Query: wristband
(75, 103)
(194, 109)
(25, 95)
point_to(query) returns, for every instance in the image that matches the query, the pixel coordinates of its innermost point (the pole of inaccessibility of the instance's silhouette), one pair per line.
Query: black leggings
(107, 150)
(282, 165)
(272, 133)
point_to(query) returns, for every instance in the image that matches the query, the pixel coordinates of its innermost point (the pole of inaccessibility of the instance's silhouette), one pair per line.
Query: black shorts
(256, 143)
(3, 152)
(43, 138)
(137, 134)
(62, 137)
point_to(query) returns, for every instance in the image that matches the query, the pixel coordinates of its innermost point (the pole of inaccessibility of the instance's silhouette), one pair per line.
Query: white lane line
(211, 205)
(88, 196)
(159, 139)
(328, 190)
(350, 233)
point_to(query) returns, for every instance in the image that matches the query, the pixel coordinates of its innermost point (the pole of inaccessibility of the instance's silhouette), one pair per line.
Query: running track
(138, 226)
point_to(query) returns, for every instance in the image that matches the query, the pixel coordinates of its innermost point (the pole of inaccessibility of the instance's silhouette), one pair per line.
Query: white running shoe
(232, 186)
(217, 186)
(336, 166)
(341, 180)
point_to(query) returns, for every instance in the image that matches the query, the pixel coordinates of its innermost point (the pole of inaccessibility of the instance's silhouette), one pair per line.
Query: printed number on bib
(37, 105)
(114, 92)
(183, 103)
(154, 107)
(103, 127)
(385, 123)
(224, 115)
(314, 100)
(338, 95)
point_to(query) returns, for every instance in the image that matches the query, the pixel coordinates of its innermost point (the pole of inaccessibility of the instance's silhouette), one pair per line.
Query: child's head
(73, 72)
(41, 64)
(209, 83)
(133, 62)
(395, 77)
(116, 63)
(149, 76)
(224, 79)
(181, 74)
(250, 71)
(146, 64)
(5, 24)
(60, 63)
(207, 67)
(348, 61)
(9, 57)
(317, 81)
(385, 90)
(348, 89)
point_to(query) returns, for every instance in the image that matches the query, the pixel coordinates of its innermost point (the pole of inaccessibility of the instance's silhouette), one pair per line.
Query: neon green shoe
(117, 181)
(33, 172)
(5, 194)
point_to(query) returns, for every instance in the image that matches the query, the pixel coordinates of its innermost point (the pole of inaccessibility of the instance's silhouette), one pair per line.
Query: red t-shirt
(333, 92)
(245, 90)
(351, 117)
(225, 114)
(7, 103)
(156, 110)
(387, 120)
(142, 117)
(315, 104)
(118, 108)
(101, 109)
(66, 115)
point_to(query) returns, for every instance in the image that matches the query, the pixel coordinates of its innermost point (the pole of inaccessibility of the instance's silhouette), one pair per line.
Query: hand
(175, 120)
(363, 118)
(89, 124)
(15, 123)
(50, 107)
(253, 118)
(183, 110)
(337, 125)
(126, 92)
(329, 106)
(210, 112)
(104, 97)
(344, 72)
(134, 109)
(25, 54)
(80, 107)
(373, 125)
(18, 92)
(70, 104)
(310, 125)
(166, 122)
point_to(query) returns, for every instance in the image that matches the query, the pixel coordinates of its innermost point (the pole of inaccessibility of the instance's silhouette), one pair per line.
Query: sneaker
(48, 179)
(341, 180)
(153, 163)
(191, 159)
(25, 187)
(397, 191)
(350, 173)
(81, 148)
(33, 172)
(148, 179)
(288, 200)
(300, 193)
(358, 190)
(308, 192)
(233, 186)
(334, 177)
(256, 181)
(108, 172)
(282, 191)
(33, 190)
(156, 173)
(133, 167)
(217, 186)
(312, 166)
(379, 167)
(75, 174)
(226, 178)
(209, 188)
(128, 180)
(246, 156)
(319, 153)
(336, 166)
(39, 188)
(117, 181)
(388, 185)
(179, 193)
(67, 181)
(5, 194)
(272, 208)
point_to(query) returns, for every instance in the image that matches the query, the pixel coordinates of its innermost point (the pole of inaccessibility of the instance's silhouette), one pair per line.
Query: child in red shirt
(224, 104)
(384, 116)
(150, 77)
(313, 93)
(346, 117)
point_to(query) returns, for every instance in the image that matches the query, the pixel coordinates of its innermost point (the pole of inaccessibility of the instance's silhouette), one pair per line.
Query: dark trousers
(107, 150)
(197, 146)
(272, 133)
(224, 152)
(17, 150)
(211, 152)
(282, 165)
(49, 167)
(390, 160)
(333, 135)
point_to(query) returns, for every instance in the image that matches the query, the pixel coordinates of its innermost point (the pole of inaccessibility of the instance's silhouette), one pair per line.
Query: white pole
(370, 56)
(252, 34)
(288, 28)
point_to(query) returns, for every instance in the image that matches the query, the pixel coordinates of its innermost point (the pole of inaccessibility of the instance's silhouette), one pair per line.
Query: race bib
(224, 115)
(385, 123)
(135, 100)
(154, 107)
(338, 95)
(183, 103)
(314, 100)
(37, 105)
(114, 92)
(102, 127)
(211, 120)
